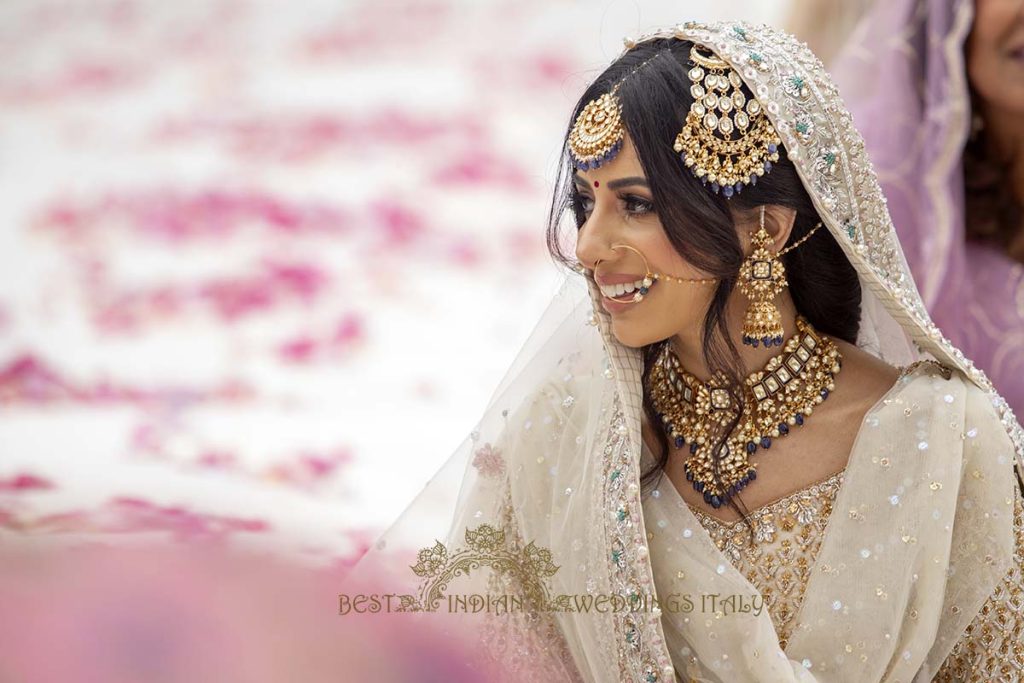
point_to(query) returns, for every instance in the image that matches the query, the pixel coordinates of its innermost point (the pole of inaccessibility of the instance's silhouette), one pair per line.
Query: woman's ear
(778, 221)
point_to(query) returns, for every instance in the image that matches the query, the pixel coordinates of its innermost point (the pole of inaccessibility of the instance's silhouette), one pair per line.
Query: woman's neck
(688, 344)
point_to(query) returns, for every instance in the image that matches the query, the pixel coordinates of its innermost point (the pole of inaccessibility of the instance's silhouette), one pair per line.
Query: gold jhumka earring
(762, 277)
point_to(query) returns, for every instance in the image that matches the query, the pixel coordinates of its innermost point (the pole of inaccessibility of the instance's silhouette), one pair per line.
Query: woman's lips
(618, 305)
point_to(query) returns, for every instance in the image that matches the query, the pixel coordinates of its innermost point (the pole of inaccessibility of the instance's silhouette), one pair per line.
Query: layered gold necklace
(776, 398)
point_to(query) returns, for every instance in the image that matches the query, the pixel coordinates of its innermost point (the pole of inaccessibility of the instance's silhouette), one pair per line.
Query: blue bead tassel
(586, 165)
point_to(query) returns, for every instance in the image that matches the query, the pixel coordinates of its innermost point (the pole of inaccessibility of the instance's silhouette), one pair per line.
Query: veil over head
(543, 498)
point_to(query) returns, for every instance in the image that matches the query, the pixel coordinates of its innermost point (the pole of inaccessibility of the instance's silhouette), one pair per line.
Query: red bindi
(597, 183)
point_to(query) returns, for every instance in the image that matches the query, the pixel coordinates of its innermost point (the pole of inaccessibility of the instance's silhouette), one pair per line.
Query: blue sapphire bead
(707, 497)
(772, 148)
(679, 442)
(693, 448)
(728, 190)
(824, 392)
(783, 428)
(766, 442)
(751, 475)
(716, 502)
(767, 166)
(644, 290)
(714, 187)
(799, 418)
(699, 486)
(751, 447)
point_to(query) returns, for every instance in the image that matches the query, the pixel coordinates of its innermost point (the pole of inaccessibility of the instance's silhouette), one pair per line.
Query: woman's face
(995, 53)
(619, 209)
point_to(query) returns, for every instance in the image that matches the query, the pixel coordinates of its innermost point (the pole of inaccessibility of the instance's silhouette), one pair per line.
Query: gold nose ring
(649, 278)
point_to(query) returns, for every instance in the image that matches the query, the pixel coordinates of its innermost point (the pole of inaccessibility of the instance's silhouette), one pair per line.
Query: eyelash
(630, 199)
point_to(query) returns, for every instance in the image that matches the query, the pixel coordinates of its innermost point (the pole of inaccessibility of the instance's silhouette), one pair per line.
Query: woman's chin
(629, 335)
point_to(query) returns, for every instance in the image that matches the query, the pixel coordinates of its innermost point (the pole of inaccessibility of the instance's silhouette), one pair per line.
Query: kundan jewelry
(706, 144)
(597, 134)
(762, 277)
(775, 398)
(636, 293)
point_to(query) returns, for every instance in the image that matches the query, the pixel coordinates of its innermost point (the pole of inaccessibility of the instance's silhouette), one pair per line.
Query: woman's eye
(586, 204)
(638, 206)
(634, 205)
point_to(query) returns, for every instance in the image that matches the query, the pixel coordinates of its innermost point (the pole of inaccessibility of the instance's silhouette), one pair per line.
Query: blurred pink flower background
(262, 265)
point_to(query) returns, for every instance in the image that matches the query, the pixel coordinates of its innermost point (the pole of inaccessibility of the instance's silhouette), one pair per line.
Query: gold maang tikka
(720, 109)
(598, 133)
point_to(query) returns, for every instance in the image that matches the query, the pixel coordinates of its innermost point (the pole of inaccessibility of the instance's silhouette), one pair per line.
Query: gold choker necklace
(775, 398)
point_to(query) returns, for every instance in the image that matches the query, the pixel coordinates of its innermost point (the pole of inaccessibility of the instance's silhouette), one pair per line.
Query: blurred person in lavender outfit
(936, 87)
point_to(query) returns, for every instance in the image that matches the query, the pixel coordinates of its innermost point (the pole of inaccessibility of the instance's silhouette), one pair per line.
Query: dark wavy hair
(701, 227)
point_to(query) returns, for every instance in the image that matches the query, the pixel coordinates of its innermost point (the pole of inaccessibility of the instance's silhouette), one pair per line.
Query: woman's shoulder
(868, 377)
(948, 393)
(947, 386)
(876, 377)
(927, 386)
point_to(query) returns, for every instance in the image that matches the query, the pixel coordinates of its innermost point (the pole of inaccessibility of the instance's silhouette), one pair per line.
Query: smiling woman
(642, 213)
(741, 401)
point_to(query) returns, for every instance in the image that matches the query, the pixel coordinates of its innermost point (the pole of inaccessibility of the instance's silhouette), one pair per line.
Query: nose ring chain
(651, 278)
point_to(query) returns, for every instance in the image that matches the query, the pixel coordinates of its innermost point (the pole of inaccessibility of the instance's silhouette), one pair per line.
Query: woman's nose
(594, 240)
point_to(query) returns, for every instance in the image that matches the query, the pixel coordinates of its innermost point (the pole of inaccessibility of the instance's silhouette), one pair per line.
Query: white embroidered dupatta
(543, 498)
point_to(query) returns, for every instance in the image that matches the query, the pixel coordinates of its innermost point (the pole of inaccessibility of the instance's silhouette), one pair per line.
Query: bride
(735, 448)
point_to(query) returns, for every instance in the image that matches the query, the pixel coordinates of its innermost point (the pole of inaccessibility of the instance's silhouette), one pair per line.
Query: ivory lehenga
(905, 567)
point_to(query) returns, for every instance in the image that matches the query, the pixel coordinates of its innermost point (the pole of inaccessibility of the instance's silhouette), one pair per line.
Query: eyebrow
(618, 182)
